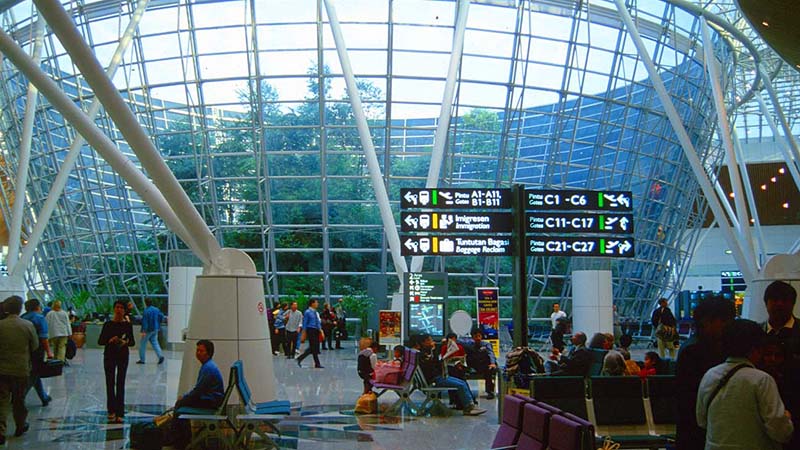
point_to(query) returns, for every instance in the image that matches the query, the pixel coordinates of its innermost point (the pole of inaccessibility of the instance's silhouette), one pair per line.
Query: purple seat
(587, 431)
(535, 421)
(405, 388)
(509, 431)
(565, 434)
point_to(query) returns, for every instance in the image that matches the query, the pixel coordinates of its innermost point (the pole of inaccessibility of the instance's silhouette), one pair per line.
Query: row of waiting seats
(635, 412)
(256, 417)
(532, 425)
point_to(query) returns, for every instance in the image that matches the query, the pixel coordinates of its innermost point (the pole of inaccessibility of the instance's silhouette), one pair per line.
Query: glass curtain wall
(246, 101)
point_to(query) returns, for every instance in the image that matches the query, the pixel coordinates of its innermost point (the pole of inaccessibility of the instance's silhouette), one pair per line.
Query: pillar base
(230, 311)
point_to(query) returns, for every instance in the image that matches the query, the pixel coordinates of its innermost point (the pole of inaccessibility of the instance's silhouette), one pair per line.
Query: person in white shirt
(59, 330)
(558, 319)
(737, 404)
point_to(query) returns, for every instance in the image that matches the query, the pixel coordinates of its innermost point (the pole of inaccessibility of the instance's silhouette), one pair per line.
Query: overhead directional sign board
(566, 222)
(455, 245)
(455, 222)
(577, 200)
(455, 198)
(581, 246)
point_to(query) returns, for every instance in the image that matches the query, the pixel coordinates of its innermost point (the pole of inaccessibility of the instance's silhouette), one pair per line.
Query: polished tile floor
(322, 403)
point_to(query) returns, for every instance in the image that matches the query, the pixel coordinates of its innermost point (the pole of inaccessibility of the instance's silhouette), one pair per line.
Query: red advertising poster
(489, 315)
(390, 332)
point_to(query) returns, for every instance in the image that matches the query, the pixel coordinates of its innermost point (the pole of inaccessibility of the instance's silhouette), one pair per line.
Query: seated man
(481, 359)
(431, 367)
(209, 389)
(207, 393)
(578, 362)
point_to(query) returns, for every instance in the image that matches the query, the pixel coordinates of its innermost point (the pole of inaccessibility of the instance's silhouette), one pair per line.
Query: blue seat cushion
(199, 411)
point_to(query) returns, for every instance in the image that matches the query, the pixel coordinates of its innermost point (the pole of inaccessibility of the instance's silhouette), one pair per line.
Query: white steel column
(93, 135)
(714, 74)
(23, 163)
(125, 120)
(748, 189)
(74, 151)
(785, 146)
(746, 266)
(390, 228)
(776, 105)
(443, 126)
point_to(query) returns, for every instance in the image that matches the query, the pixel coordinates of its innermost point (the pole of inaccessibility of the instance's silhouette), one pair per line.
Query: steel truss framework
(246, 103)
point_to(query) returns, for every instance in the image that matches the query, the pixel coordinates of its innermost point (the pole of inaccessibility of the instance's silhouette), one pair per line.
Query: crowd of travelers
(737, 380)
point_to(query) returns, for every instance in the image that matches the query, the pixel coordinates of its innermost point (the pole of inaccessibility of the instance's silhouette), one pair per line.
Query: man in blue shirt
(151, 324)
(312, 330)
(33, 314)
(481, 358)
(207, 393)
(209, 389)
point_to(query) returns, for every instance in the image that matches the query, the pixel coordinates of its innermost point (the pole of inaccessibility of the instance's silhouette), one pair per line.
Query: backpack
(523, 360)
(364, 365)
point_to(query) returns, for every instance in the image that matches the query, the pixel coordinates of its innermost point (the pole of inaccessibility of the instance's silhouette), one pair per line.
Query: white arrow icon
(411, 198)
(412, 245)
(617, 200)
(623, 224)
(624, 247)
(411, 221)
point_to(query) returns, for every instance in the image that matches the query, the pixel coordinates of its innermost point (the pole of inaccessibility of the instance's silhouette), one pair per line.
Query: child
(398, 351)
(651, 361)
(367, 360)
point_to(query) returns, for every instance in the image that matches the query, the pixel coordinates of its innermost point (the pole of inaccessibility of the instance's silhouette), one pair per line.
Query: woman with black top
(116, 336)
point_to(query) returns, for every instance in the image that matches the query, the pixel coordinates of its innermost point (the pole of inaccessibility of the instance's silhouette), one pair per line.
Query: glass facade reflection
(246, 102)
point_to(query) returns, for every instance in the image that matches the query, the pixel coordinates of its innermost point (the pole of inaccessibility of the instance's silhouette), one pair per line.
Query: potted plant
(78, 303)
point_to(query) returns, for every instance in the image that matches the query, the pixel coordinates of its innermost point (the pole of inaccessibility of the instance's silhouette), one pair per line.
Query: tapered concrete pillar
(779, 267)
(181, 292)
(592, 303)
(12, 286)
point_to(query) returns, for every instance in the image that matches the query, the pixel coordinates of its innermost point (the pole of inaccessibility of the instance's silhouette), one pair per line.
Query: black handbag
(72, 349)
(51, 368)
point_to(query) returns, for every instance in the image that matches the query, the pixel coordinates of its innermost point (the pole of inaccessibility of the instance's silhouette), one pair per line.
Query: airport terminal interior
(423, 166)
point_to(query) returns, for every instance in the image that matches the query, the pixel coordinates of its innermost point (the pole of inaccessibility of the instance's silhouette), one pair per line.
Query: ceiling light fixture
(785, 205)
(763, 187)
(781, 171)
(774, 179)
(765, 23)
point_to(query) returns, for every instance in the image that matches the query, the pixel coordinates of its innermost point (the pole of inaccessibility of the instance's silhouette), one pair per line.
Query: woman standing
(116, 336)
(59, 330)
(328, 324)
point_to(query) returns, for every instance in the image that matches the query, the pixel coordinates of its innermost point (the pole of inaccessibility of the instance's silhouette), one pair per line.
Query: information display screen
(426, 318)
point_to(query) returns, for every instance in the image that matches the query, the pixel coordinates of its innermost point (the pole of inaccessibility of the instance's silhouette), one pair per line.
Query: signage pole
(519, 314)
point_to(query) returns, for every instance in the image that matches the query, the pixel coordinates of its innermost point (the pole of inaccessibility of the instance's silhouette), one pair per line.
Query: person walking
(664, 322)
(151, 324)
(18, 340)
(59, 330)
(328, 318)
(33, 314)
(312, 330)
(558, 320)
(279, 334)
(341, 323)
(294, 320)
(117, 337)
